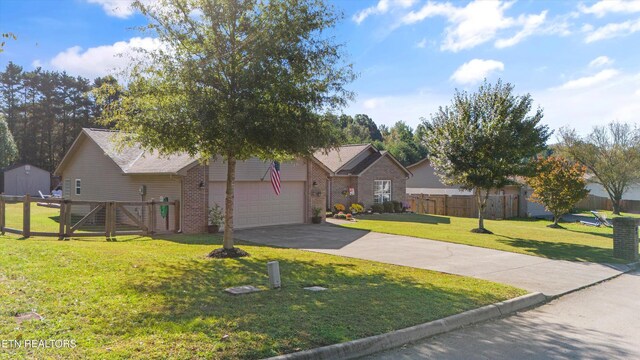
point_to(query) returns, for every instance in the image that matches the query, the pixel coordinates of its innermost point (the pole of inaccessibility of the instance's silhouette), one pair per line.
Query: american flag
(275, 177)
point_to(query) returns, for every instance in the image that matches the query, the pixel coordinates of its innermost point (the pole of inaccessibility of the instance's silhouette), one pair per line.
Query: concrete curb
(370, 345)
(630, 267)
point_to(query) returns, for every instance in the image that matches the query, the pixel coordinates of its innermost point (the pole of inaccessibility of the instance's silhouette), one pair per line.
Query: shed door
(256, 204)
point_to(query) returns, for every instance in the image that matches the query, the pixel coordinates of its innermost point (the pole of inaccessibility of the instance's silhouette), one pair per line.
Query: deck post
(26, 216)
(152, 217)
(114, 215)
(61, 221)
(2, 215)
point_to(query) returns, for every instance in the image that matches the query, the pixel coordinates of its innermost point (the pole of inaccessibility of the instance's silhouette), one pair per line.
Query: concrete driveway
(532, 273)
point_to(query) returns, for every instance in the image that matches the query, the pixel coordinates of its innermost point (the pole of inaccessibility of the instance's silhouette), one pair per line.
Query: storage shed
(24, 179)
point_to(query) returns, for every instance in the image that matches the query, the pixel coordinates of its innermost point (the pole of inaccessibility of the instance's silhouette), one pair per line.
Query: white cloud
(589, 81)
(603, 7)
(530, 25)
(422, 43)
(382, 7)
(613, 30)
(479, 22)
(100, 60)
(117, 8)
(409, 107)
(600, 61)
(583, 107)
(476, 70)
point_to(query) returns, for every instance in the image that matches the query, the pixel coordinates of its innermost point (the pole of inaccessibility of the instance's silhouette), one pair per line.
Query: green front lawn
(526, 236)
(162, 298)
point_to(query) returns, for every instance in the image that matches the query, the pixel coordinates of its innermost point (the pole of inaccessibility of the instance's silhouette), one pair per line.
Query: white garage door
(256, 204)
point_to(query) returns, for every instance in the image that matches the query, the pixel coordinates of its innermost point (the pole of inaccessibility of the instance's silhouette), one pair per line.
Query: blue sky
(578, 59)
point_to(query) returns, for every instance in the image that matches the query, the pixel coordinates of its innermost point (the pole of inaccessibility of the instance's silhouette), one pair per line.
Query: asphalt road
(600, 322)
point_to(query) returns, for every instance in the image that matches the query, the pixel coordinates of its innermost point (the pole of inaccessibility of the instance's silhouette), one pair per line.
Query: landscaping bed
(575, 242)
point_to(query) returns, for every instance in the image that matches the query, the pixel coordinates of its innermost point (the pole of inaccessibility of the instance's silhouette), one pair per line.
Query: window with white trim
(78, 186)
(381, 191)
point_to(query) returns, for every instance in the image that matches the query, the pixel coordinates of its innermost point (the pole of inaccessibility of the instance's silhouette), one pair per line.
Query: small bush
(388, 206)
(329, 214)
(356, 208)
(339, 207)
(340, 215)
(349, 217)
(397, 206)
(377, 208)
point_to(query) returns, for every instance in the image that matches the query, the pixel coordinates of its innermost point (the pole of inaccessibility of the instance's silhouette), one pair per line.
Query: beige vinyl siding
(102, 179)
(424, 176)
(255, 169)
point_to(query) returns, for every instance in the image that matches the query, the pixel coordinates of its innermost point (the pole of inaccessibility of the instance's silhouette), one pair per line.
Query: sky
(579, 60)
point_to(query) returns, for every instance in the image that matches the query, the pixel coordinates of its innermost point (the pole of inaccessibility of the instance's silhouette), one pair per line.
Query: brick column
(317, 193)
(625, 238)
(195, 200)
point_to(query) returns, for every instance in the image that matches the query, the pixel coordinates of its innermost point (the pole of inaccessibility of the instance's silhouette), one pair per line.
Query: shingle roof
(362, 165)
(336, 158)
(134, 159)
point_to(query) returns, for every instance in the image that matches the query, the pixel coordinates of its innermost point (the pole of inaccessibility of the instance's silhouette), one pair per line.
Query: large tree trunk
(616, 203)
(228, 217)
(481, 206)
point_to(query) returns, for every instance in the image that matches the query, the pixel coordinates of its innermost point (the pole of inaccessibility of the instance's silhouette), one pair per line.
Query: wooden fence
(593, 202)
(498, 206)
(91, 218)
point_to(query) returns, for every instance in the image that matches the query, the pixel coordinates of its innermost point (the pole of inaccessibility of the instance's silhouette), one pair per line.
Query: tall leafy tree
(484, 139)
(8, 148)
(236, 79)
(611, 154)
(558, 185)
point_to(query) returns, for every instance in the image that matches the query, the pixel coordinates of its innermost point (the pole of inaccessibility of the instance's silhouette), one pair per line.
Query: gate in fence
(64, 219)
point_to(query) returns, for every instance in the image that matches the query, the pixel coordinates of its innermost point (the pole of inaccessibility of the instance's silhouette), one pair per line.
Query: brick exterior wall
(383, 169)
(316, 194)
(195, 200)
(625, 238)
(340, 184)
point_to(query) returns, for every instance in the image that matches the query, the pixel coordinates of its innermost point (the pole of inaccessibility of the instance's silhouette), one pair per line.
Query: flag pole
(265, 173)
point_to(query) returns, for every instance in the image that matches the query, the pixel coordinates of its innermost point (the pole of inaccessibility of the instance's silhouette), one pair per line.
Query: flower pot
(213, 229)
(316, 219)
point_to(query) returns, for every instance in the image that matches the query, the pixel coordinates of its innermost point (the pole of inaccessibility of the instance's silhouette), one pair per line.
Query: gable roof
(15, 166)
(419, 163)
(132, 160)
(342, 161)
(337, 158)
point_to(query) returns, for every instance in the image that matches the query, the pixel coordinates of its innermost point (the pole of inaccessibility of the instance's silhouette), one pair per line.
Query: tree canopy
(558, 185)
(8, 148)
(236, 79)
(611, 155)
(485, 139)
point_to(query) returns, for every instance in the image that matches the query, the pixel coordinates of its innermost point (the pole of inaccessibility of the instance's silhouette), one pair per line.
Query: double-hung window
(78, 186)
(381, 191)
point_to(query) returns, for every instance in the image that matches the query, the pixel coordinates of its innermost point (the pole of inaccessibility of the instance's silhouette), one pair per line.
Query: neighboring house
(24, 179)
(363, 174)
(426, 181)
(632, 193)
(93, 169)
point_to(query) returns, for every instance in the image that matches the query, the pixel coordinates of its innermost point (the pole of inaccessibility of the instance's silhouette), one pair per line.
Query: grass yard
(162, 298)
(526, 236)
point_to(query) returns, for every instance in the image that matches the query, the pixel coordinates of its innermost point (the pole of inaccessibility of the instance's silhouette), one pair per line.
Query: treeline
(46, 110)
(403, 142)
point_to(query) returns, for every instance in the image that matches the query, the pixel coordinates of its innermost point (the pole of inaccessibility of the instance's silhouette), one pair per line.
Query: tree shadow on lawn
(359, 303)
(408, 217)
(562, 251)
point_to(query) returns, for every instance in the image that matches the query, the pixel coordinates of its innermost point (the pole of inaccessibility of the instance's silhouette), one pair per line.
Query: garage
(256, 204)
